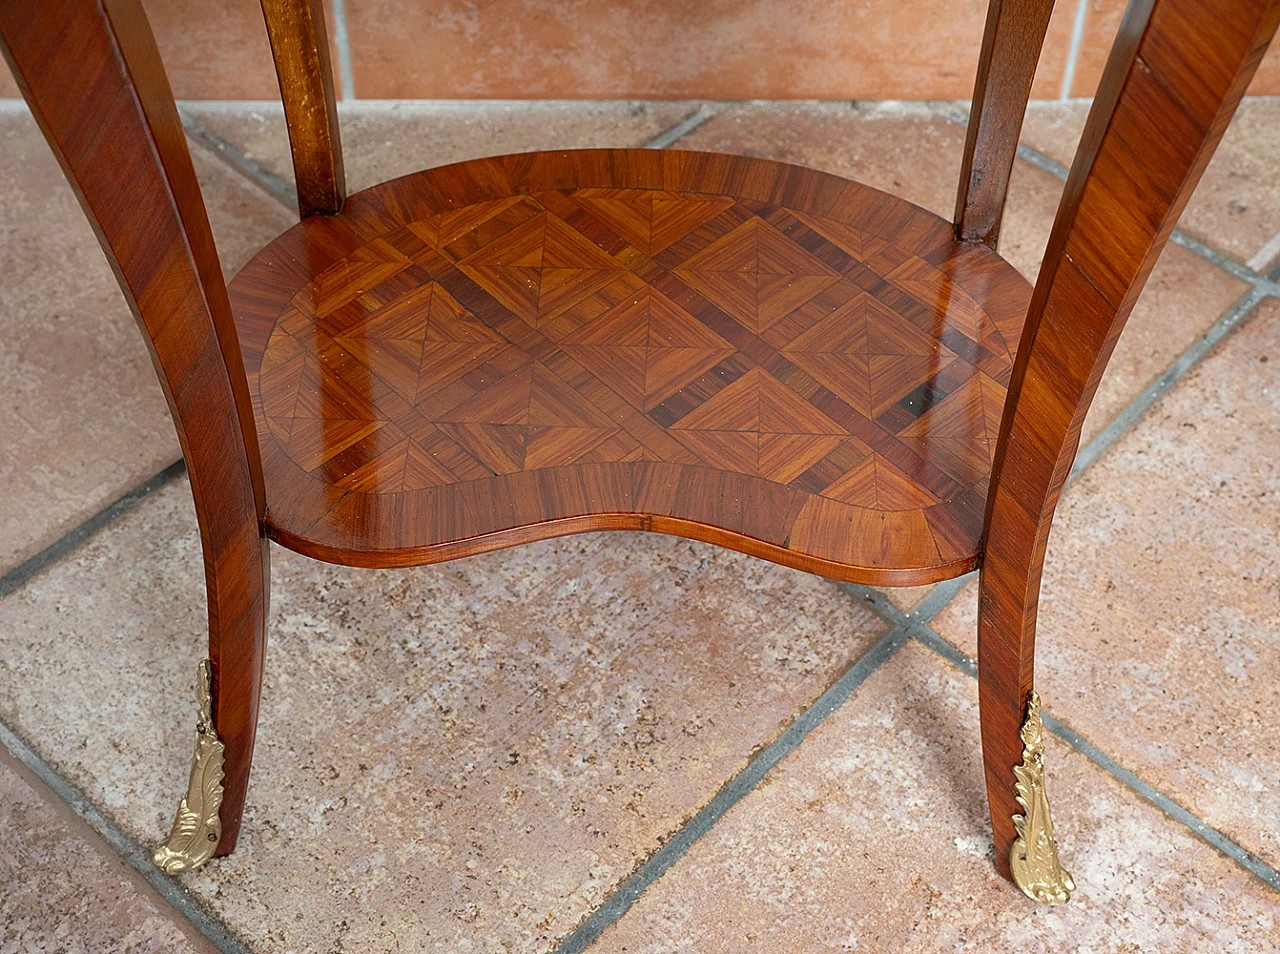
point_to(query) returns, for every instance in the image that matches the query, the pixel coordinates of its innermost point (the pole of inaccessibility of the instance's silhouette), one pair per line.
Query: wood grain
(92, 77)
(1171, 86)
(1006, 66)
(745, 352)
(300, 47)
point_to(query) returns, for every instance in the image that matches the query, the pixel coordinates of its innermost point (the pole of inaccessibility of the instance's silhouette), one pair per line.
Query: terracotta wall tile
(1102, 20)
(1266, 82)
(659, 49)
(1053, 55)
(717, 49)
(214, 49)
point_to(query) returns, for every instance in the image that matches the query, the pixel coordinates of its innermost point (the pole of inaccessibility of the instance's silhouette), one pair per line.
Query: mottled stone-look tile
(83, 418)
(383, 140)
(1236, 206)
(1183, 297)
(912, 150)
(665, 49)
(1102, 22)
(63, 892)
(1160, 609)
(468, 754)
(907, 598)
(873, 835)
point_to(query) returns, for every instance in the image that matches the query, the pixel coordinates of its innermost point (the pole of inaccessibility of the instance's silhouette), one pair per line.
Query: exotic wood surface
(92, 76)
(1174, 79)
(741, 351)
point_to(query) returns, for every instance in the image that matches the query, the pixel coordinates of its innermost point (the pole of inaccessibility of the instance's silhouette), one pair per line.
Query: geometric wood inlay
(636, 337)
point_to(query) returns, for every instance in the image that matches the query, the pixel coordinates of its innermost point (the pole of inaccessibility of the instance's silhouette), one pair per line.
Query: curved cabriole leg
(91, 74)
(228, 688)
(1013, 754)
(1173, 80)
(197, 828)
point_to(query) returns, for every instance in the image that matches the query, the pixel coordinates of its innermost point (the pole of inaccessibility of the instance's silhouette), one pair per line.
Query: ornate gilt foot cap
(1034, 857)
(197, 827)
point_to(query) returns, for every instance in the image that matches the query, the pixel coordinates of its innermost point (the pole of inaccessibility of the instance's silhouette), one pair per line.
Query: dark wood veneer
(740, 353)
(746, 352)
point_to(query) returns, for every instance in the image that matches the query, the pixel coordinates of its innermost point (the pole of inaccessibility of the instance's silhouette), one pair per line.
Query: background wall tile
(213, 49)
(1102, 20)
(658, 49)
(720, 49)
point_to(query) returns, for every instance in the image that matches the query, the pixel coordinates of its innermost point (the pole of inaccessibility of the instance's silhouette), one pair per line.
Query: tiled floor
(496, 754)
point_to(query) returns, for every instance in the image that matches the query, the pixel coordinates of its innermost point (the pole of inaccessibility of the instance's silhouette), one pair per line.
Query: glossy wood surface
(92, 77)
(1006, 66)
(300, 47)
(1171, 86)
(740, 351)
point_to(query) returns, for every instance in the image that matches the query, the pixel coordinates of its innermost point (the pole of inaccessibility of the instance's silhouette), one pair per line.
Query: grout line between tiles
(259, 175)
(682, 128)
(69, 541)
(1232, 849)
(342, 40)
(1073, 53)
(1227, 264)
(1039, 159)
(133, 854)
(1207, 833)
(1269, 250)
(1245, 272)
(1184, 363)
(626, 894)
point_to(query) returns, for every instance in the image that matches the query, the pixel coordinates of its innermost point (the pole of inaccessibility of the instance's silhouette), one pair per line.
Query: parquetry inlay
(596, 326)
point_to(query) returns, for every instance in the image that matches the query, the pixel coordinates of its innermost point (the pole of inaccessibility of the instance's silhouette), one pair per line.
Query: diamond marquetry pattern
(575, 327)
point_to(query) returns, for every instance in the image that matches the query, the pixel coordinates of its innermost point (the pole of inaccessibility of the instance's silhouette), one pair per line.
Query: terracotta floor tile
(83, 418)
(881, 49)
(467, 754)
(873, 835)
(907, 598)
(62, 891)
(381, 141)
(1183, 297)
(1236, 206)
(1161, 596)
(912, 150)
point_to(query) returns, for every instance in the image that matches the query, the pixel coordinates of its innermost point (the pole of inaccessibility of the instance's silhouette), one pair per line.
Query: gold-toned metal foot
(1034, 857)
(197, 827)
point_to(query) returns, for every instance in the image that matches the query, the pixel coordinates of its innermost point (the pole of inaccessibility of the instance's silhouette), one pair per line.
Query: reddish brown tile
(1102, 21)
(465, 755)
(873, 835)
(1236, 206)
(213, 50)
(62, 891)
(660, 49)
(216, 49)
(1159, 607)
(83, 418)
